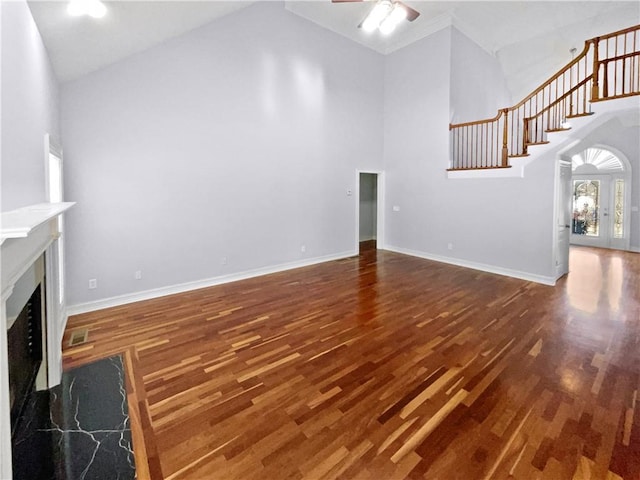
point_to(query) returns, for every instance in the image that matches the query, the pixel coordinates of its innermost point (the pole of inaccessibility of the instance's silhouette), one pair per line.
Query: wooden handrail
(560, 99)
(477, 122)
(553, 77)
(615, 34)
(619, 57)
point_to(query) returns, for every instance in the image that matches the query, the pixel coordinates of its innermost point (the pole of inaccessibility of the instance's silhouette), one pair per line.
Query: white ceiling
(492, 25)
(78, 46)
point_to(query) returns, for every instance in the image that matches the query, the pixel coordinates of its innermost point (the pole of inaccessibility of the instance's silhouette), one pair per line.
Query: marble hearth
(79, 429)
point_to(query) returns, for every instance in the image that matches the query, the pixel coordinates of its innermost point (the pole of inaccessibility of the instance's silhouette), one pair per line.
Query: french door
(598, 211)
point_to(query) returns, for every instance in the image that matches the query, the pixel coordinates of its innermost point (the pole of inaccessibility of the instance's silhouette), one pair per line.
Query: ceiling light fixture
(93, 8)
(385, 16)
(397, 15)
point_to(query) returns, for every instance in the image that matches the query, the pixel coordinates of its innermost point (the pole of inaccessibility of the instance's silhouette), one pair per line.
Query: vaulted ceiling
(529, 38)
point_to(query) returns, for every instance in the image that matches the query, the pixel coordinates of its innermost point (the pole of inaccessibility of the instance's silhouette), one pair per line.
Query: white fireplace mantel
(25, 234)
(19, 223)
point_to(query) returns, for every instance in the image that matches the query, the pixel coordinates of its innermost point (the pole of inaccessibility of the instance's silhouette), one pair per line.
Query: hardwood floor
(386, 366)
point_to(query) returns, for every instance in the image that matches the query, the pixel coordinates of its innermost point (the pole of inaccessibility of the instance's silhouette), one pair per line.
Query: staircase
(607, 68)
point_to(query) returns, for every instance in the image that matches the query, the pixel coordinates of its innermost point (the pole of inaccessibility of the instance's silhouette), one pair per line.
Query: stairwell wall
(501, 225)
(478, 85)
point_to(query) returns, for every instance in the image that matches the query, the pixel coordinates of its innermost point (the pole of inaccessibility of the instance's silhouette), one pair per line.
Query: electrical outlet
(223, 261)
(396, 208)
(93, 283)
(349, 192)
(303, 248)
(450, 246)
(137, 274)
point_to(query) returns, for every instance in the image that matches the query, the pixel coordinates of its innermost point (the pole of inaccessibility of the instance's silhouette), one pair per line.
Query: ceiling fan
(385, 15)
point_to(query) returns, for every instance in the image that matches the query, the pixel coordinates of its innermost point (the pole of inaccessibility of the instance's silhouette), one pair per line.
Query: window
(618, 209)
(586, 204)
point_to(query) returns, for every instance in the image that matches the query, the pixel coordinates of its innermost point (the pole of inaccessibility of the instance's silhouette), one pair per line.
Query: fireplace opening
(25, 354)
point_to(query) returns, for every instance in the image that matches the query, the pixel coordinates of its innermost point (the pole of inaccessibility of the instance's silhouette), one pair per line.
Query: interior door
(590, 223)
(563, 218)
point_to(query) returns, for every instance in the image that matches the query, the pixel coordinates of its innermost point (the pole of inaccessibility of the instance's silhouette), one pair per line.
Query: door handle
(567, 226)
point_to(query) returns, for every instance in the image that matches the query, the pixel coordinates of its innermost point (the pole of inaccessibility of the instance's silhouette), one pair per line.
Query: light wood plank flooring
(386, 366)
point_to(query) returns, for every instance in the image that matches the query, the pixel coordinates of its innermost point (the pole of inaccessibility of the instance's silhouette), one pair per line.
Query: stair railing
(539, 113)
(616, 65)
(480, 144)
(608, 67)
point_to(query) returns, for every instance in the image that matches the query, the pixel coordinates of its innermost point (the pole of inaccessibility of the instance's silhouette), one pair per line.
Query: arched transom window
(596, 160)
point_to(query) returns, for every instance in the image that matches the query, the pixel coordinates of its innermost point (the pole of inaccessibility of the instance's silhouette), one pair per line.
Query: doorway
(600, 197)
(369, 210)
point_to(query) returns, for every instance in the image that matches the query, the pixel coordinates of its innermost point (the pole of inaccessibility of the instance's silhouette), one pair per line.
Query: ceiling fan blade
(412, 14)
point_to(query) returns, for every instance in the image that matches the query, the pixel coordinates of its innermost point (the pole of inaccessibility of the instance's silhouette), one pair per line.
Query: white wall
(478, 86)
(29, 107)
(416, 145)
(236, 140)
(368, 206)
(504, 223)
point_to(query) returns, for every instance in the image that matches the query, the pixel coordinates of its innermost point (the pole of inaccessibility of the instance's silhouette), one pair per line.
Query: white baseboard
(530, 277)
(634, 249)
(208, 282)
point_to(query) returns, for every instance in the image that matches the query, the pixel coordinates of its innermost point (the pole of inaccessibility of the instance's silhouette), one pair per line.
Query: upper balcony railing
(608, 67)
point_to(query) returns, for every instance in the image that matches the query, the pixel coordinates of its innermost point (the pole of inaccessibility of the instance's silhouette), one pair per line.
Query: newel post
(595, 85)
(505, 133)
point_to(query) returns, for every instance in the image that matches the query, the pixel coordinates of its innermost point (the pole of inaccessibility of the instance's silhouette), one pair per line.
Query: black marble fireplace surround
(77, 430)
(24, 340)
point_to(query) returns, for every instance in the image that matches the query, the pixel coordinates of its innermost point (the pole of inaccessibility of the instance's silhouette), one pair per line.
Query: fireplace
(25, 349)
(32, 314)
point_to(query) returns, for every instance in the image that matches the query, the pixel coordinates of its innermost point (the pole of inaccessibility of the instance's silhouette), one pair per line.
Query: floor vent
(78, 337)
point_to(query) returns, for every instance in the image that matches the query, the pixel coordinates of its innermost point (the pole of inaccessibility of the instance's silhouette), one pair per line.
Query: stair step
(553, 130)
(538, 143)
(474, 168)
(613, 96)
(578, 115)
(519, 155)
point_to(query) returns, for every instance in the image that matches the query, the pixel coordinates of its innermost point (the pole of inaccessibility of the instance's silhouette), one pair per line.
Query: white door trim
(380, 244)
